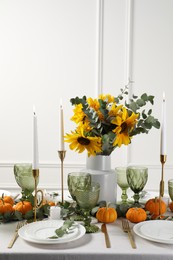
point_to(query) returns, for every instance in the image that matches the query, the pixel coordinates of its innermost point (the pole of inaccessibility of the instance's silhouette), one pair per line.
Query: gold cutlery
(107, 240)
(126, 228)
(19, 225)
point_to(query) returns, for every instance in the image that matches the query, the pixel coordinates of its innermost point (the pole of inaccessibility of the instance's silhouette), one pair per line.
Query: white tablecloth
(90, 246)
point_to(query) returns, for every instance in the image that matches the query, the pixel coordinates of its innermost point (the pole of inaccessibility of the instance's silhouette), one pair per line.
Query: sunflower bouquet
(109, 122)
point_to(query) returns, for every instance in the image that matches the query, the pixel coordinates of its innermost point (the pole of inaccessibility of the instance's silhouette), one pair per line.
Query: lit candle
(61, 128)
(163, 128)
(35, 141)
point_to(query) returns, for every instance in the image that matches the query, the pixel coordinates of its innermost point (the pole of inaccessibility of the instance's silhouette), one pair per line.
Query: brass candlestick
(162, 160)
(35, 173)
(62, 156)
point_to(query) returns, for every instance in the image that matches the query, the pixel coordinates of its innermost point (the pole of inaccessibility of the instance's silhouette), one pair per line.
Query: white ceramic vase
(100, 169)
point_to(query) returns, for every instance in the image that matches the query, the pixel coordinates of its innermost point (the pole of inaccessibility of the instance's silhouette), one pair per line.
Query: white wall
(65, 48)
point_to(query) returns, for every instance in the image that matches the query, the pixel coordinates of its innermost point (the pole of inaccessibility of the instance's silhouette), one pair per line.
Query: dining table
(90, 246)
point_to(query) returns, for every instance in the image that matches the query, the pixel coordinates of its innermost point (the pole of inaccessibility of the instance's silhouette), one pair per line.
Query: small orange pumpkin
(7, 199)
(106, 215)
(23, 206)
(155, 206)
(50, 203)
(136, 215)
(171, 206)
(5, 207)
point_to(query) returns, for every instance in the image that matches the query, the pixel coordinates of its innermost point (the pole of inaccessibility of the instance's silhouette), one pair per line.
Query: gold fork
(19, 225)
(107, 240)
(126, 228)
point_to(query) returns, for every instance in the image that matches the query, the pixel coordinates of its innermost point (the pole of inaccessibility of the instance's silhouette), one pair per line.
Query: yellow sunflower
(109, 98)
(114, 109)
(79, 115)
(80, 142)
(124, 125)
(93, 103)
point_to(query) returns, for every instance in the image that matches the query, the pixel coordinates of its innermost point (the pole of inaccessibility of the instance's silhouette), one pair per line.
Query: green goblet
(170, 188)
(24, 178)
(137, 177)
(87, 198)
(122, 183)
(77, 180)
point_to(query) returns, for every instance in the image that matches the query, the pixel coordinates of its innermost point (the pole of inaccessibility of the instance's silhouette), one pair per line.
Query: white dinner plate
(160, 231)
(41, 231)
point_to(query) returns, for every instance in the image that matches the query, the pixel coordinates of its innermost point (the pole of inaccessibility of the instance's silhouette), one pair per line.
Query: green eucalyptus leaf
(60, 232)
(102, 203)
(94, 210)
(66, 204)
(8, 216)
(148, 125)
(53, 237)
(91, 229)
(139, 130)
(18, 215)
(77, 100)
(144, 115)
(117, 100)
(151, 99)
(150, 120)
(150, 112)
(135, 97)
(133, 106)
(156, 124)
(144, 97)
(141, 102)
(64, 229)
(29, 214)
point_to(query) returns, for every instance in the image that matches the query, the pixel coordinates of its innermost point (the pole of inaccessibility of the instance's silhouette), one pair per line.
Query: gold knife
(107, 240)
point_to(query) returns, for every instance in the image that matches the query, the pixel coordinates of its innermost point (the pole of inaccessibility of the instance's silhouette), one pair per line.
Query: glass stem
(124, 195)
(136, 198)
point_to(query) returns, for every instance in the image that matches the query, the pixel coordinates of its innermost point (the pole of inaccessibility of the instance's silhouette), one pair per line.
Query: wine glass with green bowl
(24, 178)
(77, 180)
(87, 198)
(137, 177)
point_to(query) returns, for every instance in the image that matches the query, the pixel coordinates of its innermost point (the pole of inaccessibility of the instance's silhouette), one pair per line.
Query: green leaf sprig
(66, 228)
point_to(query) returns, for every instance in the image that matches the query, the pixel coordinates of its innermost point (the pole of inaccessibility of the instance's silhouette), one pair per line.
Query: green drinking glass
(77, 180)
(122, 183)
(137, 177)
(87, 197)
(24, 177)
(170, 188)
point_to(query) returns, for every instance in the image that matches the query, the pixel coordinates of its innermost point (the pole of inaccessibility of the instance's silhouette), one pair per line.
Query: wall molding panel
(87, 48)
(99, 46)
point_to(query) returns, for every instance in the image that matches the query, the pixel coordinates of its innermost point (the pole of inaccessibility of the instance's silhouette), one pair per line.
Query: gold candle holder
(62, 156)
(162, 160)
(35, 173)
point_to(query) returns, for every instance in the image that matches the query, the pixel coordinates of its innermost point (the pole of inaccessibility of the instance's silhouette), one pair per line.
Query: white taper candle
(163, 150)
(35, 164)
(61, 128)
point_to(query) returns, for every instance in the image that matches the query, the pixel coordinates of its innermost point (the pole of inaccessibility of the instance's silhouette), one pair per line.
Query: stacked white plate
(160, 231)
(41, 231)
